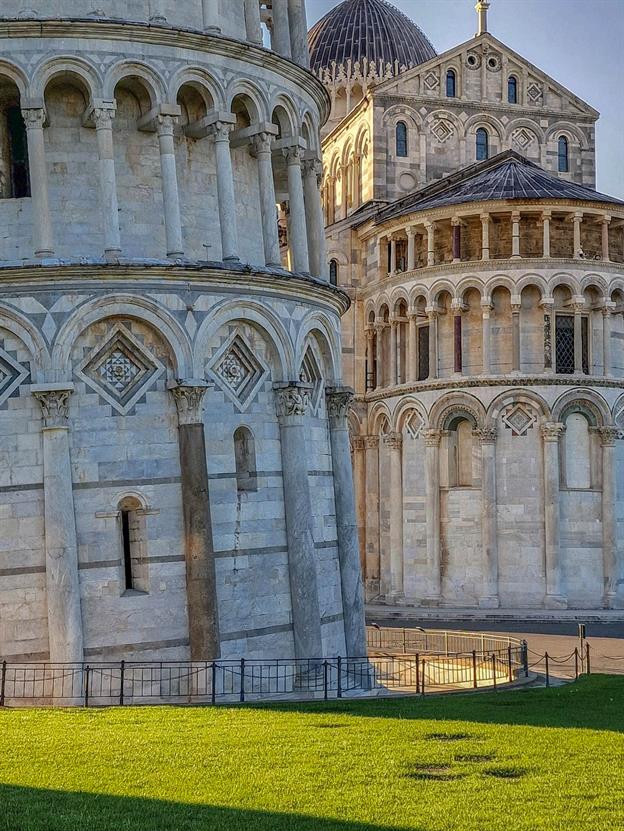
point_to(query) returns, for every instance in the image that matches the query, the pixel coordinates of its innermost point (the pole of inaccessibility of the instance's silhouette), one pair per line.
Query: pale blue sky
(578, 42)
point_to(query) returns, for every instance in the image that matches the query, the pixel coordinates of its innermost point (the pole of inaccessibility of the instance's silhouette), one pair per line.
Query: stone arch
(444, 115)
(257, 315)
(517, 396)
(146, 77)
(456, 404)
(593, 280)
(347, 152)
(379, 419)
(618, 412)
(318, 326)
(402, 112)
(415, 293)
(532, 280)
(500, 281)
(588, 402)
(310, 133)
(128, 305)
(533, 126)
(15, 75)
(284, 115)
(362, 140)
(83, 74)
(399, 293)
(566, 280)
(467, 284)
(382, 300)
(403, 411)
(252, 93)
(340, 257)
(208, 85)
(441, 286)
(570, 131)
(484, 120)
(31, 337)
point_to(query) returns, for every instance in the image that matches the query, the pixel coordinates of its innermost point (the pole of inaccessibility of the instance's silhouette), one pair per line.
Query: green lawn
(525, 760)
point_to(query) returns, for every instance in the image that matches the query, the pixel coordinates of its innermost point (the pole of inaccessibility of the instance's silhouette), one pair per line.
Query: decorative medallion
(493, 62)
(431, 81)
(12, 374)
(519, 419)
(522, 139)
(534, 93)
(237, 371)
(311, 374)
(414, 424)
(121, 371)
(442, 130)
(473, 60)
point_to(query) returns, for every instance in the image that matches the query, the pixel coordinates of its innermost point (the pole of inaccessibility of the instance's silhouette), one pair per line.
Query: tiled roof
(507, 176)
(371, 29)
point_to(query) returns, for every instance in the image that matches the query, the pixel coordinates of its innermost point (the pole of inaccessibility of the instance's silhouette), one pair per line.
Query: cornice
(276, 283)
(512, 381)
(179, 38)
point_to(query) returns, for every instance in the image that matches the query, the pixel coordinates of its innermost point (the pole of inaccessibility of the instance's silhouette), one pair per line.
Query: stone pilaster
(338, 403)
(201, 585)
(293, 401)
(394, 444)
(61, 546)
(432, 495)
(373, 565)
(612, 556)
(555, 595)
(489, 532)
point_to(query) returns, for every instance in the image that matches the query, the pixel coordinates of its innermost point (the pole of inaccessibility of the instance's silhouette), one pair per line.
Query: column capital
(219, 131)
(608, 307)
(393, 440)
(358, 442)
(189, 400)
(165, 124)
(34, 117)
(486, 435)
(312, 167)
(546, 214)
(486, 306)
(552, 430)
(432, 437)
(578, 304)
(485, 218)
(293, 154)
(338, 402)
(292, 399)
(371, 442)
(515, 216)
(609, 435)
(54, 401)
(547, 303)
(261, 143)
(410, 231)
(605, 220)
(516, 307)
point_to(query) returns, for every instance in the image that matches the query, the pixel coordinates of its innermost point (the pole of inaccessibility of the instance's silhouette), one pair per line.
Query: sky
(579, 43)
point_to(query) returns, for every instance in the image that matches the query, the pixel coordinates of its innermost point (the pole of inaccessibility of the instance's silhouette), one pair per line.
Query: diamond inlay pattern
(12, 374)
(237, 371)
(519, 419)
(121, 371)
(311, 374)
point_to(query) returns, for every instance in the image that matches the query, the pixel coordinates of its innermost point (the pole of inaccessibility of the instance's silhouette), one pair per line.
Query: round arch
(31, 337)
(150, 80)
(454, 405)
(588, 402)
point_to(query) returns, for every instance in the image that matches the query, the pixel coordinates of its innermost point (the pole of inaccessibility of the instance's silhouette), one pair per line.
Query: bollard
(494, 672)
(510, 664)
(587, 658)
(325, 669)
(475, 680)
(339, 662)
(547, 669)
(242, 683)
(576, 663)
(122, 672)
(525, 658)
(3, 683)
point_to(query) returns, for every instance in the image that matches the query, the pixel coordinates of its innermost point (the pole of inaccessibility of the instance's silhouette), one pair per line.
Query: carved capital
(103, 118)
(34, 118)
(261, 144)
(371, 442)
(312, 167)
(338, 402)
(432, 437)
(292, 399)
(393, 440)
(608, 436)
(358, 443)
(220, 131)
(486, 435)
(165, 124)
(293, 154)
(189, 401)
(552, 430)
(54, 406)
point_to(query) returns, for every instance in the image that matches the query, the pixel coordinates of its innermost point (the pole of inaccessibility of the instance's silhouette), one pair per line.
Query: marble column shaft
(555, 597)
(371, 444)
(293, 401)
(606, 340)
(611, 567)
(171, 195)
(201, 582)
(338, 402)
(281, 28)
(220, 132)
(261, 145)
(298, 232)
(379, 373)
(412, 349)
(34, 120)
(486, 309)
(411, 249)
(253, 27)
(211, 15)
(546, 234)
(315, 223)
(299, 32)
(430, 226)
(103, 119)
(432, 512)
(550, 356)
(515, 234)
(485, 237)
(578, 338)
(394, 328)
(457, 342)
(433, 343)
(489, 531)
(605, 238)
(394, 444)
(515, 335)
(65, 633)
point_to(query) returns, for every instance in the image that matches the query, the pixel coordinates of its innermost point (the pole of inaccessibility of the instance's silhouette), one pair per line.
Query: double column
(35, 119)
(338, 403)
(489, 532)
(293, 401)
(61, 546)
(555, 596)
(201, 585)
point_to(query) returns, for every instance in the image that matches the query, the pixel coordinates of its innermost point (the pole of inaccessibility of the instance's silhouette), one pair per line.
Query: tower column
(299, 32)
(394, 327)
(605, 238)
(261, 145)
(253, 26)
(489, 530)
(456, 230)
(486, 309)
(412, 349)
(555, 597)
(606, 336)
(379, 373)
(546, 215)
(515, 234)
(411, 249)
(61, 545)
(293, 401)
(515, 335)
(281, 28)
(578, 305)
(371, 444)
(430, 226)
(549, 335)
(315, 224)
(220, 133)
(611, 558)
(298, 236)
(432, 513)
(201, 584)
(103, 119)
(432, 315)
(457, 337)
(171, 195)
(485, 236)
(210, 10)
(338, 402)
(576, 220)
(34, 119)
(394, 443)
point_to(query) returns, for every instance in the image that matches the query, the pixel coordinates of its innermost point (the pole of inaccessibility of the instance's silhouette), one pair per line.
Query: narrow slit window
(512, 90)
(127, 548)
(483, 145)
(333, 272)
(18, 148)
(564, 164)
(401, 139)
(451, 84)
(245, 459)
(133, 545)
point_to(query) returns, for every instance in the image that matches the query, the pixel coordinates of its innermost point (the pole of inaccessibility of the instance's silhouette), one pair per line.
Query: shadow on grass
(594, 702)
(35, 809)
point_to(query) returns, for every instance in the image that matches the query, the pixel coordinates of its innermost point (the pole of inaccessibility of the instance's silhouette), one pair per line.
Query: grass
(524, 760)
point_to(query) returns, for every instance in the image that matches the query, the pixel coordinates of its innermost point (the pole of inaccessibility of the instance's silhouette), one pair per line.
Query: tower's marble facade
(486, 338)
(175, 477)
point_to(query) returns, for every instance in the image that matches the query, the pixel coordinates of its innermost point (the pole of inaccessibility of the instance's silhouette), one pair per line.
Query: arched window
(133, 542)
(451, 84)
(577, 452)
(401, 139)
(333, 272)
(245, 459)
(564, 165)
(483, 144)
(512, 89)
(18, 153)
(460, 454)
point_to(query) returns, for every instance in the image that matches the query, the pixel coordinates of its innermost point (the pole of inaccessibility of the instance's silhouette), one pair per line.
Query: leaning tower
(175, 479)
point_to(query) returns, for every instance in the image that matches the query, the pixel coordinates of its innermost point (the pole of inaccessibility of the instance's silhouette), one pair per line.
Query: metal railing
(435, 641)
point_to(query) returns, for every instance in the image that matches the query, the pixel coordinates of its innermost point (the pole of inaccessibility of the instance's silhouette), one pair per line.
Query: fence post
(525, 658)
(576, 662)
(510, 664)
(494, 672)
(325, 669)
(446, 643)
(339, 662)
(417, 672)
(3, 683)
(587, 658)
(122, 674)
(242, 684)
(213, 691)
(547, 669)
(404, 641)
(475, 681)
(422, 678)
(87, 671)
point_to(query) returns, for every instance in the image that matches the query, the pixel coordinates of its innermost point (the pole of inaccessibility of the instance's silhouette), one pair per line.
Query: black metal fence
(440, 642)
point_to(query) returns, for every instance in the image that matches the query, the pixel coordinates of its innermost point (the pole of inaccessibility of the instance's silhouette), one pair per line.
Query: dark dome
(372, 29)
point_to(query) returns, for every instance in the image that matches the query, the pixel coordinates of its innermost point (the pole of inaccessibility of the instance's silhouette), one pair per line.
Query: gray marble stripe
(250, 552)
(257, 473)
(24, 657)
(164, 558)
(320, 473)
(332, 618)
(10, 572)
(36, 486)
(146, 646)
(125, 483)
(327, 544)
(256, 633)
(100, 564)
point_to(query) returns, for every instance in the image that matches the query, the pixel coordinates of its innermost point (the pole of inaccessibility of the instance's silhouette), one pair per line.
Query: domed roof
(371, 29)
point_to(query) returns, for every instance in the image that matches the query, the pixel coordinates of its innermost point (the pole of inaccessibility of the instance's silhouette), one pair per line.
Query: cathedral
(175, 478)
(485, 340)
